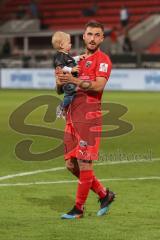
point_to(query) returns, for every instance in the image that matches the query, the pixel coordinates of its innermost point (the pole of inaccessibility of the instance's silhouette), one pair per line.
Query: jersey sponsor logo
(103, 67)
(88, 63)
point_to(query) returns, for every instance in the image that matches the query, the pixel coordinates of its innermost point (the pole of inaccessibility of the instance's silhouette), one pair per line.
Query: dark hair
(94, 24)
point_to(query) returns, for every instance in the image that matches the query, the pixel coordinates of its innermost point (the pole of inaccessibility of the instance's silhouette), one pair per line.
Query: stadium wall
(121, 79)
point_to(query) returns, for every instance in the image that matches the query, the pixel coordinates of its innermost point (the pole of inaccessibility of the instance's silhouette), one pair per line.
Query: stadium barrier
(121, 79)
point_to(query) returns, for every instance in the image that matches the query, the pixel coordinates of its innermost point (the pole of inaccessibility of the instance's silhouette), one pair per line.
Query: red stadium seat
(65, 14)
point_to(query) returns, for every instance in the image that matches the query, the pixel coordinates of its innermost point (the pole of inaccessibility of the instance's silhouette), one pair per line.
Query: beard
(92, 48)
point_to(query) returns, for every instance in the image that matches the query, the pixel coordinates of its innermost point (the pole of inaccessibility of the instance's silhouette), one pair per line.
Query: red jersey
(86, 105)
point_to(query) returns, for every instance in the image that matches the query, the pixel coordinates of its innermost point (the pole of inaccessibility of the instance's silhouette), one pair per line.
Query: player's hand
(58, 81)
(75, 69)
(65, 78)
(58, 71)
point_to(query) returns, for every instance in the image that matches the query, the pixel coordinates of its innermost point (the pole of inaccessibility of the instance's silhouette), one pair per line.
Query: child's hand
(83, 56)
(75, 69)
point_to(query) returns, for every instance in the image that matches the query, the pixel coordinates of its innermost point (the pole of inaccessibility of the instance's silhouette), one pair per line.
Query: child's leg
(67, 100)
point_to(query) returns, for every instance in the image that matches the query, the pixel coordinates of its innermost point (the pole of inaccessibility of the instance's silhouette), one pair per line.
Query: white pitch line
(75, 181)
(31, 173)
(125, 161)
(63, 168)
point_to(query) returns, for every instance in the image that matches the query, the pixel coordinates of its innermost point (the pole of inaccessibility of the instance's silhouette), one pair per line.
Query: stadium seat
(68, 15)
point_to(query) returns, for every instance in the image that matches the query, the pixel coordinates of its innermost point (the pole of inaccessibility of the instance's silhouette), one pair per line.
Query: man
(124, 16)
(83, 121)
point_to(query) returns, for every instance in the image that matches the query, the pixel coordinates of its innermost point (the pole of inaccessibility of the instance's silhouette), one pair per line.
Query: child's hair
(58, 38)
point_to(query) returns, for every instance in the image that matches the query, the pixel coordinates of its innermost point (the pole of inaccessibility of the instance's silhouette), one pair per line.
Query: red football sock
(98, 188)
(84, 185)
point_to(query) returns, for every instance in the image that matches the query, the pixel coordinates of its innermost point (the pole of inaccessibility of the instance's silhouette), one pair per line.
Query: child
(61, 41)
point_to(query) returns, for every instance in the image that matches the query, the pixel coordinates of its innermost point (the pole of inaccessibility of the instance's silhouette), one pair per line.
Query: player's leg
(84, 170)
(72, 166)
(84, 185)
(87, 151)
(97, 187)
(87, 180)
(106, 196)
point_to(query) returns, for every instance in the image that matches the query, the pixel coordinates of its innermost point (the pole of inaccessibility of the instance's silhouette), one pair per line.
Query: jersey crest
(88, 63)
(103, 67)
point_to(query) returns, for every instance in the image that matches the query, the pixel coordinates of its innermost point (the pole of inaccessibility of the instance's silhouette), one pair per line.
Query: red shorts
(81, 141)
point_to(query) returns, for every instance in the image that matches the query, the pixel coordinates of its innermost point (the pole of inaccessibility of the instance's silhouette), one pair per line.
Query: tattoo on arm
(85, 85)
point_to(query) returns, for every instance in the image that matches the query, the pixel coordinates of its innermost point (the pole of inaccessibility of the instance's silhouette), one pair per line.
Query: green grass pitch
(32, 212)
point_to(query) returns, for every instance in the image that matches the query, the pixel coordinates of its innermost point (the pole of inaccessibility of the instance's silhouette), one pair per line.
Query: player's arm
(102, 70)
(58, 65)
(59, 84)
(59, 89)
(96, 86)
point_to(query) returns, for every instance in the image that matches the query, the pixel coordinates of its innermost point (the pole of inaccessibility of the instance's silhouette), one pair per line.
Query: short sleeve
(104, 66)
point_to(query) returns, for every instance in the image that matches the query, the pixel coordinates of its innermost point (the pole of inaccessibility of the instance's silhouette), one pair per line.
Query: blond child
(61, 41)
